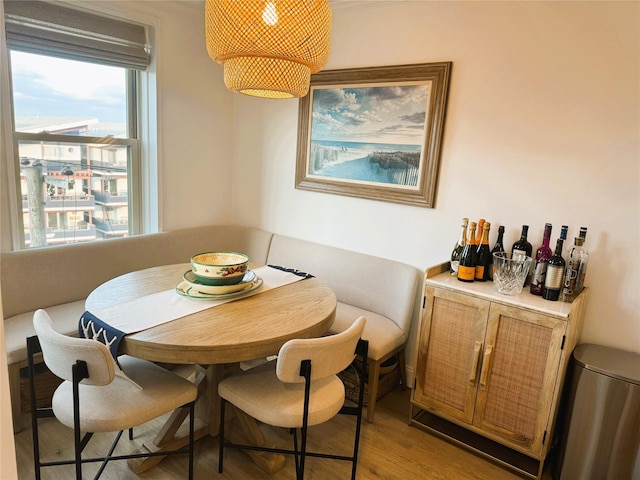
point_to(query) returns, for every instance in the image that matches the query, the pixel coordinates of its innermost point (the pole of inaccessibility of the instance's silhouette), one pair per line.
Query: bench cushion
(17, 328)
(383, 334)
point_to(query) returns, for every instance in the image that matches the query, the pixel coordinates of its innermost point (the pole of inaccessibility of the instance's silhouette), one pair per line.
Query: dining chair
(95, 397)
(298, 390)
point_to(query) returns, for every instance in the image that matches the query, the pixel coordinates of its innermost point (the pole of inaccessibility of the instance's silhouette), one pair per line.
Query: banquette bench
(59, 279)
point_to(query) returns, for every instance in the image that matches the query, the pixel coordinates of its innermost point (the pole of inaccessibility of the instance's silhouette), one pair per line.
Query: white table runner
(158, 308)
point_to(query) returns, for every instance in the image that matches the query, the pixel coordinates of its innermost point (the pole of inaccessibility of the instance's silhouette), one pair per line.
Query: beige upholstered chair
(94, 398)
(300, 390)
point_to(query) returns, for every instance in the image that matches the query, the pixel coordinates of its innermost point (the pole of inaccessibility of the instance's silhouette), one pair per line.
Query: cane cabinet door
(449, 353)
(517, 381)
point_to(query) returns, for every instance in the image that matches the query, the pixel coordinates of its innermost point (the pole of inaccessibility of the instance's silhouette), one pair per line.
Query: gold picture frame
(374, 132)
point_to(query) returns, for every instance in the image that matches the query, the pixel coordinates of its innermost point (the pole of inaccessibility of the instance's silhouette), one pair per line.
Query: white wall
(542, 126)
(194, 122)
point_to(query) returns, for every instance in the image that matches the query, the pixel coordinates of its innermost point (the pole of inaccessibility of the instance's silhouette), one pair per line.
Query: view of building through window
(74, 153)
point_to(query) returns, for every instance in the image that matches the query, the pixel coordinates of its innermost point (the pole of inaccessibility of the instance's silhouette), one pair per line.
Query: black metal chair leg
(109, 454)
(191, 439)
(221, 436)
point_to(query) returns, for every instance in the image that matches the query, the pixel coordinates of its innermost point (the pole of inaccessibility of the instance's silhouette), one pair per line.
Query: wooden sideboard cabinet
(490, 368)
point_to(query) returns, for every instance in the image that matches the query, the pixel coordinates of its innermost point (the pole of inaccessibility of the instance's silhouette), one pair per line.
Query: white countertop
(487, 290)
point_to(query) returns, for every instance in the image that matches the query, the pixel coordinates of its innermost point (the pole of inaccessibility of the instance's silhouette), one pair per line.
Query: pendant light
(268, 48)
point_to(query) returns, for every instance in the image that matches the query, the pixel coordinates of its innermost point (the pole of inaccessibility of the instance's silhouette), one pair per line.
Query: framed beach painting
(374, 132)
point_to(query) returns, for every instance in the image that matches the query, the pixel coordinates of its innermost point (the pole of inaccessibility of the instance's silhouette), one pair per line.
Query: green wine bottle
(458, 248)
(467, 266)
(483, 255)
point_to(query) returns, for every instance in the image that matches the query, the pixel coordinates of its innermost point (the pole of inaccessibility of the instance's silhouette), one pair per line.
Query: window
(74, 85)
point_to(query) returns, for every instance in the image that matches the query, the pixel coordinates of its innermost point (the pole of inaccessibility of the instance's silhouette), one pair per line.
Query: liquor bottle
(522, 248)
(467, 266)
(457, 249)
(582, 272)
(498, 247)
(576, 268)
(483, 255)
(555, 272)
(543, 254)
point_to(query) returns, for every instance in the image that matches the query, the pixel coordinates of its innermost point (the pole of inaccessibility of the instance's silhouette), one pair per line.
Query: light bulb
(270, 16)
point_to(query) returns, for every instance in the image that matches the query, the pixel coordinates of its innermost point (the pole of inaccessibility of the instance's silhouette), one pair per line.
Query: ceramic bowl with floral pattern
(219, 268)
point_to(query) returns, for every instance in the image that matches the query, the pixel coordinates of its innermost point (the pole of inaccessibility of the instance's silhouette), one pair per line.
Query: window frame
(143, 171)
(134, 168)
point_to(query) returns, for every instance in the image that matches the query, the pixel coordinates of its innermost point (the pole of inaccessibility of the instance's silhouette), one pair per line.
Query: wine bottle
(479, 227)
(576, 268)
(555, 272)
(459, 246)
(467, 266)
(483, 255)
(522, 248)
(498, 247)
(543, 254)
(563, 232)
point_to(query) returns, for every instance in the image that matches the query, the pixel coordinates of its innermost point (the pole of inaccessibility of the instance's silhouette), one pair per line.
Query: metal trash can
(600, 438)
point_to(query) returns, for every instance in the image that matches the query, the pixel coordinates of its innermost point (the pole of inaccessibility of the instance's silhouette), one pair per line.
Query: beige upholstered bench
(383, 291)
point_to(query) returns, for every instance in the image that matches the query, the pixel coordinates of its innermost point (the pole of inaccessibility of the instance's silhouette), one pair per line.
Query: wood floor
(389, 449)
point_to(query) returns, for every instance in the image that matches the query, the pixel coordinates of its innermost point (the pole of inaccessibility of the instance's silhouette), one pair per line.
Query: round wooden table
(217, 339)
(245, 329)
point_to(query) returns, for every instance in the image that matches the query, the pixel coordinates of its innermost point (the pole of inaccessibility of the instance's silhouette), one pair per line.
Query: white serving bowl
(219, 268)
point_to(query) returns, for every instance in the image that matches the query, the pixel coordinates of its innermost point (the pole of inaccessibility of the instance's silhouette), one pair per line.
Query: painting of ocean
(394, 164)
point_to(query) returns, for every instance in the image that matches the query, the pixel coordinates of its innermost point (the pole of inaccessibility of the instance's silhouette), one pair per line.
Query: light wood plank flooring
(389, 449)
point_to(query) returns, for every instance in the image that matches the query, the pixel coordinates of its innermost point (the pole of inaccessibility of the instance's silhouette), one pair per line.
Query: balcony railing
(55, 236)
(64, 202)
(112, 227)
(109, 199)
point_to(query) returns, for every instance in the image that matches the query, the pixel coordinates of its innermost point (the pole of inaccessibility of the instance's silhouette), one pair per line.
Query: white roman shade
(51, 29)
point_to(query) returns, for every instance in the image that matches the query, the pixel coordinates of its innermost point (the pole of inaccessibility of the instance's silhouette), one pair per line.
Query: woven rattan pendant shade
(269, 48)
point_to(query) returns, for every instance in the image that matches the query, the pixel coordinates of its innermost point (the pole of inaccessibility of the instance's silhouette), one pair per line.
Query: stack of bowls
(217, 273)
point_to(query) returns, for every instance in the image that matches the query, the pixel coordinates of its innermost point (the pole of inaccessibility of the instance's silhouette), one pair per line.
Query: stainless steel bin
(600, 437)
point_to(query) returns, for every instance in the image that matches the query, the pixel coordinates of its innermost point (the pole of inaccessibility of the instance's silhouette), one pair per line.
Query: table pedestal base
(250, 434)
(174, 434)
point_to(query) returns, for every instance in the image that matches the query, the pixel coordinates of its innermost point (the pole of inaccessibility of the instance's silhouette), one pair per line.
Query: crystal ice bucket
(509, 273)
